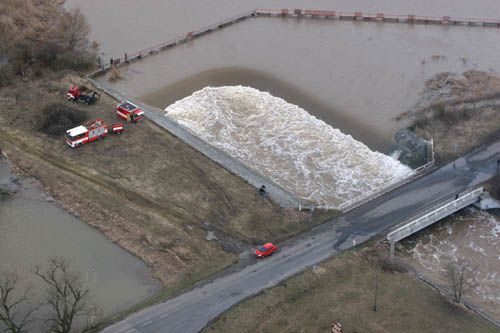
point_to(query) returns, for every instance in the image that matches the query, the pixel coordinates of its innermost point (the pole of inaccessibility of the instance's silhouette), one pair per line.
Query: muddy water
(473, 235)
(360, 76)
(33, 229)
(127, 25)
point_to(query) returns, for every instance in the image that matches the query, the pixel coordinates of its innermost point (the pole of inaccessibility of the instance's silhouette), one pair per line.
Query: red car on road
(265, 250)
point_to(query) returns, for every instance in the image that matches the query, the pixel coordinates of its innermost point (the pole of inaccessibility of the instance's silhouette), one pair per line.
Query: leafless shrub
(38, 34)
(16, 312)
(458, 273)
(440, 113)
(393, 265)
(72, 30)
(66, 295)
(56, 118)
(115, 75)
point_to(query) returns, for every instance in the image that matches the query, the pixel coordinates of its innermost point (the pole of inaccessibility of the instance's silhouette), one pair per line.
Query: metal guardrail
(171, 43)
(432, 215)
(380, 17)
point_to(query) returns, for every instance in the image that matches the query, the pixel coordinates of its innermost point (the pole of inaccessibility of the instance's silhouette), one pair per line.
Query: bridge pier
(393, 247)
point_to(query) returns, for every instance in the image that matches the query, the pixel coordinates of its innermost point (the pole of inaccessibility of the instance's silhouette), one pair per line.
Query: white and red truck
(129, 111)
(86, 133)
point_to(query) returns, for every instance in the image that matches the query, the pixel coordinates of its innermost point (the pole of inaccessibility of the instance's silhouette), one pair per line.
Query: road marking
(131, 330)
(146, 323)
(164, 315)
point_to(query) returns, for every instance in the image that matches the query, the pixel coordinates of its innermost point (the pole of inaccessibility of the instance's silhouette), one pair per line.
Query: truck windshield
(73, 138)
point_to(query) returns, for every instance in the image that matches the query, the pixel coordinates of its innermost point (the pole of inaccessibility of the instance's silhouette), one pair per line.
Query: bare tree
(73, 30)
(15, 310)
(458, 274)
(66, 295)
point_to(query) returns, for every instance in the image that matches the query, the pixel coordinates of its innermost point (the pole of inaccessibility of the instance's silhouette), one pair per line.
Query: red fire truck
(75, 94)
(86, 133)
(129, 111)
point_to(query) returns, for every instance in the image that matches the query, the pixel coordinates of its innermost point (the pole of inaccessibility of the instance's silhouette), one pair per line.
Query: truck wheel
(101, 137)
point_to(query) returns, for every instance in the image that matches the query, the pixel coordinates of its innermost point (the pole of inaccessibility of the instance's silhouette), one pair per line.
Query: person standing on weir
(262, 191)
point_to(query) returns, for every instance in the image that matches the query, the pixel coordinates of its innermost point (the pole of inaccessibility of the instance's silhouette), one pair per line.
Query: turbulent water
(286, 144)
(475, 237)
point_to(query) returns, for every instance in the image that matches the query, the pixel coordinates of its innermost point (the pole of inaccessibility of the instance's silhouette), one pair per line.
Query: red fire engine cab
(75, 94)
(86, 133)
(129, 111)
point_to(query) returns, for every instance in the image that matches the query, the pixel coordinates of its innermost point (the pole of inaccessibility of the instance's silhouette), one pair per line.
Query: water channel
(34, 229)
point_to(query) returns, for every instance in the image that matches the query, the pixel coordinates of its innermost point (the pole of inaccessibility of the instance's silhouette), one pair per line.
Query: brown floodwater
(471, 235)
(128, 25)
(265, 82)
(34, 229)
(355, 76)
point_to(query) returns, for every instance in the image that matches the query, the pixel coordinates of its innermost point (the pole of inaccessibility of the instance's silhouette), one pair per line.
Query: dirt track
(146, 190)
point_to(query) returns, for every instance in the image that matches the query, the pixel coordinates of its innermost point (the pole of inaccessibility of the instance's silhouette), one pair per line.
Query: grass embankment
(342, 289)
(146, 190)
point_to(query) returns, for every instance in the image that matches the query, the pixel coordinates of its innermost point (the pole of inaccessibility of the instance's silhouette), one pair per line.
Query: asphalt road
(193, 310)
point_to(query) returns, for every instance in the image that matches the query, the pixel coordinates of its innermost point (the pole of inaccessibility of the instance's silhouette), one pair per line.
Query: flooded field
(473, 235)
(156, 20)
(286, 144)
(33, 229)
(358, 77)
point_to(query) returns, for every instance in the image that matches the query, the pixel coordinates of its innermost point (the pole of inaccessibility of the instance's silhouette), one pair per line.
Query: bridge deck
(431, 216)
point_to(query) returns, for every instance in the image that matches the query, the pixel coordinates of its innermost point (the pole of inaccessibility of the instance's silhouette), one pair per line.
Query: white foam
(286, 144)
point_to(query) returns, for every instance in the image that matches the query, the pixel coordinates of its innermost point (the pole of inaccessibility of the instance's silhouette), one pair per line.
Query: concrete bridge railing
(435, 214)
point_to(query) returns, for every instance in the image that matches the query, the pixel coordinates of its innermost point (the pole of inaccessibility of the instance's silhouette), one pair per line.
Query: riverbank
(470, 235)
(34, 229)
(179, 212)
